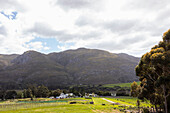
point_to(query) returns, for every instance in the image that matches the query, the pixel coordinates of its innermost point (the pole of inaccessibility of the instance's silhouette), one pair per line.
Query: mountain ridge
(71, 67)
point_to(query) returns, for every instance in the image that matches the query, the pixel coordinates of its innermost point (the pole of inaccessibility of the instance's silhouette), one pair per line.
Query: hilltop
(72, 67)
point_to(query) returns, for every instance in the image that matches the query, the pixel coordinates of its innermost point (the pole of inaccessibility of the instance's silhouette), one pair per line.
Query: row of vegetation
(34, 91)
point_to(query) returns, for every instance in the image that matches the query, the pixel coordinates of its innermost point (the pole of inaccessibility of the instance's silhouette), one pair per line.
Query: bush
(11, 94)
(121, 92)
(145, 110)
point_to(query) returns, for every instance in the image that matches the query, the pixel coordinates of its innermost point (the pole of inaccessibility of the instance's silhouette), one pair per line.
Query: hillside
(120, 84)
(5, 60)
(71, 67)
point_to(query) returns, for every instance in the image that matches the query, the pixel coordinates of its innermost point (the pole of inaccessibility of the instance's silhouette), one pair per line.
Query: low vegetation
(80, 105)
(120, 85)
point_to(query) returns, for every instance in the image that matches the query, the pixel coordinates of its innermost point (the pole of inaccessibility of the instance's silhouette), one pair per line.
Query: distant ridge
(71, 67)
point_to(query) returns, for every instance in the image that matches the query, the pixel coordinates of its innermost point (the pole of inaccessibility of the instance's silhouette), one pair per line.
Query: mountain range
(72, 67)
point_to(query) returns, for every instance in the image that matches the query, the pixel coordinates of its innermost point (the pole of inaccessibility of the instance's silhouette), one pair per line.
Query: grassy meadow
(81, 105)
(120, 84)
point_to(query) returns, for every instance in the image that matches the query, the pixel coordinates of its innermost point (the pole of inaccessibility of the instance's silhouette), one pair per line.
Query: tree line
(35, 91)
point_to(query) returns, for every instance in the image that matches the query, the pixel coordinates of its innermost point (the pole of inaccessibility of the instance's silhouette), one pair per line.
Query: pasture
(119, 84)
(79, 105)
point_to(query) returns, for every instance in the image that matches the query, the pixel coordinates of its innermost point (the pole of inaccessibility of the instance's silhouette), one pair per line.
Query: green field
(129, 101)
(119, 84)
(82, 105)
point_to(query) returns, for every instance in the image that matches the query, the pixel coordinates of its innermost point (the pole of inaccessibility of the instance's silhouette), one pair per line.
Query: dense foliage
(154, 73)
(35, 91)
(134, 89)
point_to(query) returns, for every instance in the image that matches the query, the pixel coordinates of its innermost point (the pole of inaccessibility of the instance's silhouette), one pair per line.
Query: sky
(117, 26)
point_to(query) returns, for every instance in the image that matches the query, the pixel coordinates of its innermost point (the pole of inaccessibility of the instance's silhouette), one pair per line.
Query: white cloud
(37, 46)
(117, 26)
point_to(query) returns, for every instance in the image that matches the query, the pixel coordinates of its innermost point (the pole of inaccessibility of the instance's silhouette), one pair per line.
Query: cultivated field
(73, 105)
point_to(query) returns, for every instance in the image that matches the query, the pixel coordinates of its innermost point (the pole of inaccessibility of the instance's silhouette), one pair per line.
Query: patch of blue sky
(12, 16)
(52, 43)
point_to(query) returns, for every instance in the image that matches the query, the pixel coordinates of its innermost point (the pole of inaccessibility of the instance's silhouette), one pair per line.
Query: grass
(129, 101)
(100, 101)
(81, 106)
(67, 109)
(97, 107)
(119, 84)
(52, 109)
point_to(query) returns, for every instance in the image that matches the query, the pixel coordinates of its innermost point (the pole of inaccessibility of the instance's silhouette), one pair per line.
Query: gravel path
(109, 101)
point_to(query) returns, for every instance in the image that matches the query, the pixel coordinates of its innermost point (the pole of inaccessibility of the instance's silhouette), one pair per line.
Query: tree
(154, 73)
(11, 95)
(134, 89)
(21, 95)
(138, 104)
(57, 92)
(65, 91)
(33, 89)
(43, 91)
(2, 94)
(121, 92)
(24, 93)
(29, 93)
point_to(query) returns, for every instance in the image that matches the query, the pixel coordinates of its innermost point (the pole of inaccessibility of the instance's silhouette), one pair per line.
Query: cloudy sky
(118, 26)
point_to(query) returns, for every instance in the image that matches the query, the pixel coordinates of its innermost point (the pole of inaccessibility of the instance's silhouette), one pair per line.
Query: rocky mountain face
(5, 60)
(71, 67)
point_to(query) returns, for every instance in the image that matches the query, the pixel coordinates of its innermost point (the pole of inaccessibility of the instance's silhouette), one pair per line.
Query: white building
(62, 95)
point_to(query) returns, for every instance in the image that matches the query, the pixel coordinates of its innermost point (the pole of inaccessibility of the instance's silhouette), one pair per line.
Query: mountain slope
(5, 60)
(71, 67)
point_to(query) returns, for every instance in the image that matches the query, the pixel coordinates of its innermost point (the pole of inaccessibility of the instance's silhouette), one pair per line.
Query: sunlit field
(72, 105)
(119, 84)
